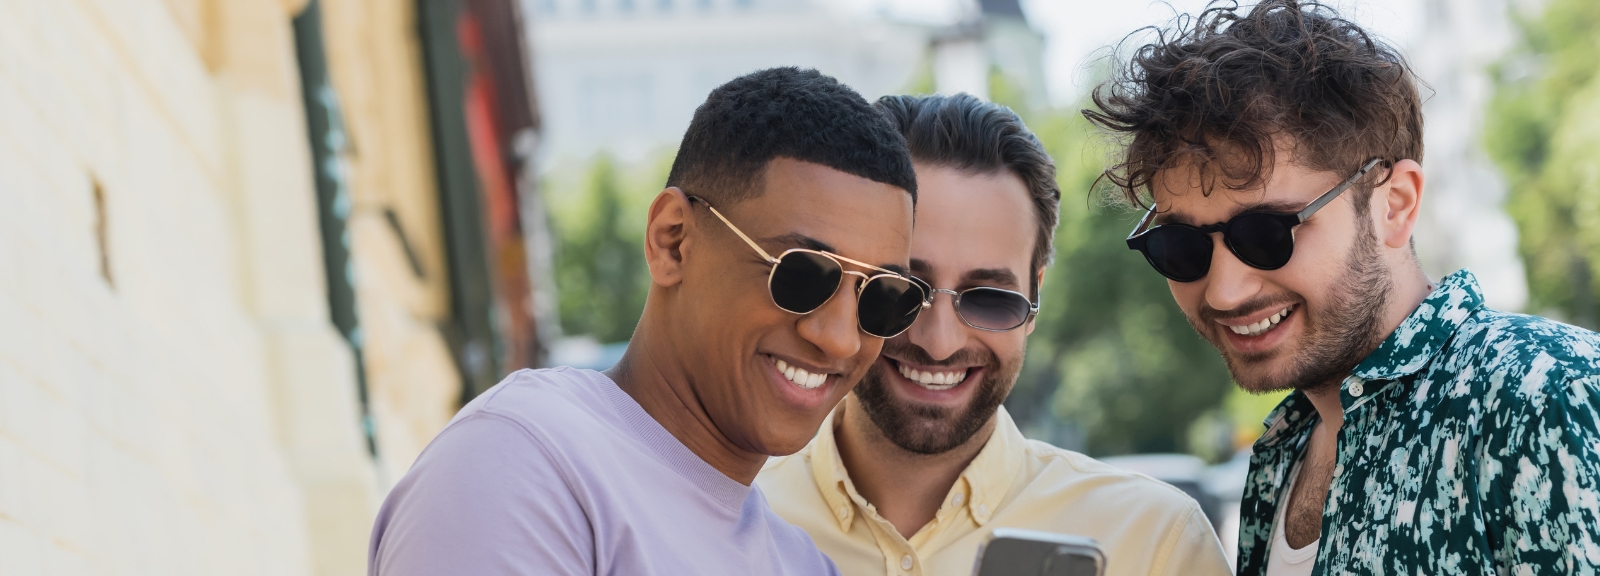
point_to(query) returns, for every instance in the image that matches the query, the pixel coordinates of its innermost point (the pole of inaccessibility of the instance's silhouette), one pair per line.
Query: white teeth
(1265, 324)
(799, 376)
(934, 380)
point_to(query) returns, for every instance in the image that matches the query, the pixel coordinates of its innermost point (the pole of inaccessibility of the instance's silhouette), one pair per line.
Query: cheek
(1189, 295)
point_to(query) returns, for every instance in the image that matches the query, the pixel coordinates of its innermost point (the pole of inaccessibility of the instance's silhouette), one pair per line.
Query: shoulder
(1536, 378)
(532, 419)
(547, 400)
(1524, 369)
(1518, 347)
(1071, 475)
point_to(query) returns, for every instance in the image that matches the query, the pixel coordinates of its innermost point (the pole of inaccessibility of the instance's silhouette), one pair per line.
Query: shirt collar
(1423, 334)
(1418, 339)
(982, 486)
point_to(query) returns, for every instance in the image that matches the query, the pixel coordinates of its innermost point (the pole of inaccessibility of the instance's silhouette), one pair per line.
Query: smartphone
(1017, 552)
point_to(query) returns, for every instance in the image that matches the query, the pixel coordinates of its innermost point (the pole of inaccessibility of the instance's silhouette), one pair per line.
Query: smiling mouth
(1265, 325)
(933, 380)
(800, 376)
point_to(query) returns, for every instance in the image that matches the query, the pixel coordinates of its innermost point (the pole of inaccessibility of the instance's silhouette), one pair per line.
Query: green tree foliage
(1543, 129)
(601, 276)
(1112, 354)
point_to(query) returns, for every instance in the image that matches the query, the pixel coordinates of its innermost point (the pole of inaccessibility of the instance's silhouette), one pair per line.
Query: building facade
(250, 263)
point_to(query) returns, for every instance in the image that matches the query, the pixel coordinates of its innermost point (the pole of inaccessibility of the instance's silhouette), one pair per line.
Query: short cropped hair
(1217, 89)
(785, 112)
(971, 135)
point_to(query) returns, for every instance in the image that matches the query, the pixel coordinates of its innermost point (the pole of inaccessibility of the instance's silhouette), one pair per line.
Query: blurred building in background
(1464, 223)
(625, 76)
(253, 256)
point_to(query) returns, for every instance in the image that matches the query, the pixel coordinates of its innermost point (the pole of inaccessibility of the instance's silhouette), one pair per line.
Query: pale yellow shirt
(1146, 527)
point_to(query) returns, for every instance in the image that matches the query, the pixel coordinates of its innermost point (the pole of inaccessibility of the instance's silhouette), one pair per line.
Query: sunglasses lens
(1178, 252)
(994, 309)
(803, 281)
(888, 306)
(1261, 240)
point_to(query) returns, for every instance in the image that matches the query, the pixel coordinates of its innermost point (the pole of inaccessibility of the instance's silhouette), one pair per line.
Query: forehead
(969, 221)
(853, 216)
(1190, 195)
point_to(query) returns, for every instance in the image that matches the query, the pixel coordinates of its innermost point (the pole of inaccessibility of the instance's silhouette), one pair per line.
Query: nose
(1230, 282)
(939, 331)
(833, 328)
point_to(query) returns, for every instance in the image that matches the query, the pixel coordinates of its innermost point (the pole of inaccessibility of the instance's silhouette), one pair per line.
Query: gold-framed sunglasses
(802, 280)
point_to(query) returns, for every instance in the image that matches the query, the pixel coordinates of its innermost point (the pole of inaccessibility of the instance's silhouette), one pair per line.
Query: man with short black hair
(1278, 149)
(777, 255)
(913, 471)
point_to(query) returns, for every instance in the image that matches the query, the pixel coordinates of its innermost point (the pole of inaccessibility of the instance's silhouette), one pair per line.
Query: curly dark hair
(792, 113)
(1216, 90)
(968, 134)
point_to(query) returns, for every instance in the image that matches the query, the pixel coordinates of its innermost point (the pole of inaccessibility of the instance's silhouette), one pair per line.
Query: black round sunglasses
(1263, 240)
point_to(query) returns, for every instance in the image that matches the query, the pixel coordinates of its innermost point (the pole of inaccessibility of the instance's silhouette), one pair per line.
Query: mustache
(904, 350)
(1209, 315)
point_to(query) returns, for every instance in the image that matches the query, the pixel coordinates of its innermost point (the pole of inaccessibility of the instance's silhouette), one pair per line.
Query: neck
(1410, 288)
(906, 488)
(655, 377)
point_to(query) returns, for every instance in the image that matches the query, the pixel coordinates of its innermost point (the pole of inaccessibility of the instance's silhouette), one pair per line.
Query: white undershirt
(1284, 560)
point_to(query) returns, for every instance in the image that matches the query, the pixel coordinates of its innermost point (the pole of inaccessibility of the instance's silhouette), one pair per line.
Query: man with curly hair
(1277, 151)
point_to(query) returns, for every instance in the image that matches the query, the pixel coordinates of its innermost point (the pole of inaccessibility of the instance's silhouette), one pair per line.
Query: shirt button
(983, 510)
(1356, 389)
(905, 562)
(844, 511)
(958, 500)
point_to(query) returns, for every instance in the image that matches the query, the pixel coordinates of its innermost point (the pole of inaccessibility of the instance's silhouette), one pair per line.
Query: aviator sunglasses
(991, 309)
(802, 280)
(1263, 240)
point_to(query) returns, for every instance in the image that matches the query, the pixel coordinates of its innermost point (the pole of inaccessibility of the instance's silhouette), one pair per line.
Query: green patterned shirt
(1470, 446)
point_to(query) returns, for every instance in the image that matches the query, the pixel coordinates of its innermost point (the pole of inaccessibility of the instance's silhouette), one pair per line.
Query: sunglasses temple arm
(1143, 222)
(1327, 197)
(866, 265)
(746, 239)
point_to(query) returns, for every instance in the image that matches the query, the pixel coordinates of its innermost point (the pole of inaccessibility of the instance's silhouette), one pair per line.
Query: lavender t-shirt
(559, 471)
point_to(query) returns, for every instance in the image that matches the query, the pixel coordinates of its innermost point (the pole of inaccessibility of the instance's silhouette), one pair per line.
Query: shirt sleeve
(485, 498)
(1544, 482)
(1192, 549)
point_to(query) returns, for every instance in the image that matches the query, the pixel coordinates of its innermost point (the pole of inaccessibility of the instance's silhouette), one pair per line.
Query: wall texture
(173, 398)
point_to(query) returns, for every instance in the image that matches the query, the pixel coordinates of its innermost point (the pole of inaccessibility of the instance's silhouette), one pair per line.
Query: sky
(1079, 31)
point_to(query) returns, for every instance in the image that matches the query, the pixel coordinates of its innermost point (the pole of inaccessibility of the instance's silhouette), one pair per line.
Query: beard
(1338, 335)
(929, 429)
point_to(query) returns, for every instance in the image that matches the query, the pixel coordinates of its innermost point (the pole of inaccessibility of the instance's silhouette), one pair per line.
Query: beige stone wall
(173, 399)
(376, 64)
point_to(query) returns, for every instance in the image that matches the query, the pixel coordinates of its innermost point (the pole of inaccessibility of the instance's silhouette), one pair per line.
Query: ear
(1397, 203)
(666, 236)
(1038, 281)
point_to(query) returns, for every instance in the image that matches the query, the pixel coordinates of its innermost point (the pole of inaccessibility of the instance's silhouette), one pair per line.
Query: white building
(626, 75)
(1464, 224)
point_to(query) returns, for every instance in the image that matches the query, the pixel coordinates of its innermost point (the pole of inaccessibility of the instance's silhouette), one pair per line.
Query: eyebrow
(1281, 206)
(798, 240)
(998, 276)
